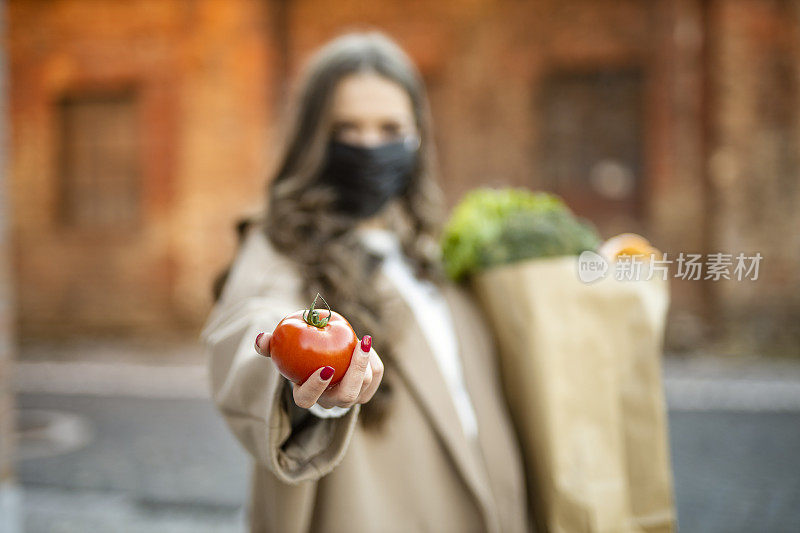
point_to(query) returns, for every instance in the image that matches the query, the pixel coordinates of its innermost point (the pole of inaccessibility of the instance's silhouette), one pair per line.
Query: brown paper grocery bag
(581, 366)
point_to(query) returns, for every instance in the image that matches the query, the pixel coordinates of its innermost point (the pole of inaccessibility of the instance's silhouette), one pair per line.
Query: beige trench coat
(420, 474)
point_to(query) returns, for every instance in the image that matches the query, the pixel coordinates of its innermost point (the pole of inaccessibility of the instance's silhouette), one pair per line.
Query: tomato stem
(311, 316)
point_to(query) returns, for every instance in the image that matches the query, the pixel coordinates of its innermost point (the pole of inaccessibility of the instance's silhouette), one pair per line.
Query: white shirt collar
(380, 241)
(431, 312)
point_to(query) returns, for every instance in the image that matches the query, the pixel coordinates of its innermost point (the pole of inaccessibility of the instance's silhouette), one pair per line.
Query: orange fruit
(627, 244)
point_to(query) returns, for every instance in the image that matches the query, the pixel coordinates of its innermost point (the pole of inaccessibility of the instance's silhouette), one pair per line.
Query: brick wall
(10, 511)
(754, 169)
(714, 161)
(200, 73)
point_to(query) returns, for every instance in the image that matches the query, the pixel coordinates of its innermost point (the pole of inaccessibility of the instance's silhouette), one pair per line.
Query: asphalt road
(170, 465)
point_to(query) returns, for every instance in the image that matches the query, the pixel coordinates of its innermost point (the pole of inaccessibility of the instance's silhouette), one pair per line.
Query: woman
(416, 437)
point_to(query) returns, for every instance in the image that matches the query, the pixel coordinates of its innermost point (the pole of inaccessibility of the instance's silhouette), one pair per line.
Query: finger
(262, 343)
(308, 393)
(377, 376)
(349, 388)
(333, 397)
(325, 401)
(366, 383)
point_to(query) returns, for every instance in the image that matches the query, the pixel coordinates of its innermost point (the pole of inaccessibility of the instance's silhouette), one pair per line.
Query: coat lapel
(420, 370)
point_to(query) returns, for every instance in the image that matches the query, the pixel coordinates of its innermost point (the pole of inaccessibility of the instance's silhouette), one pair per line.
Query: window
(99, 165)
(592, 138)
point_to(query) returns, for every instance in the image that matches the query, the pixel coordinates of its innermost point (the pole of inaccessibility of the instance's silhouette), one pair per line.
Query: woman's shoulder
(259, 266)
(256, 245)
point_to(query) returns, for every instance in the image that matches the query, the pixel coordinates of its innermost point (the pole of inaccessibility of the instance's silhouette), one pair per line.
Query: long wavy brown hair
(301, 220)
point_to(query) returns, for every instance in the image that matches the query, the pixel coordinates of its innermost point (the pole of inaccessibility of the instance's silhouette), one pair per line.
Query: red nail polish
(327, 373)
(366, 343)
(258, 338)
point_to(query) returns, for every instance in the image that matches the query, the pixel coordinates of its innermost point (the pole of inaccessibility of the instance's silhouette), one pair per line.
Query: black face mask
(366, 178)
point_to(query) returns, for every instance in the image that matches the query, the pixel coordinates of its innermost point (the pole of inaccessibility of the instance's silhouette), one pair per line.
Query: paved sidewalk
(690, 383)
(149, 453)
(55, 510)
(146, 465)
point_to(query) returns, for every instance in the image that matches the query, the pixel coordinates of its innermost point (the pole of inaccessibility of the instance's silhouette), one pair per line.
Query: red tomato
(310, 339)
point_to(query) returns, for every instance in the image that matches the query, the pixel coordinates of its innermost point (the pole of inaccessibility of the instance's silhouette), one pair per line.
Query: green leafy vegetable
(492, 227)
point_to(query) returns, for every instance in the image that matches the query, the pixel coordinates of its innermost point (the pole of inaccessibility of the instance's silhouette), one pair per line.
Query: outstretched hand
(358, 385)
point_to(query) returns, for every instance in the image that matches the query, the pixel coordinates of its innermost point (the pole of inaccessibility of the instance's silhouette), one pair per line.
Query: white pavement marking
(118, 379)
(727, 394)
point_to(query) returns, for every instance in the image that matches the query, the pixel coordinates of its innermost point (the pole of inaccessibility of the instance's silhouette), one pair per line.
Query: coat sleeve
(253, 397)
